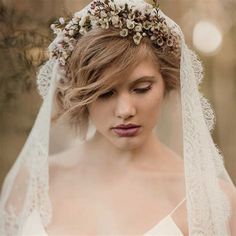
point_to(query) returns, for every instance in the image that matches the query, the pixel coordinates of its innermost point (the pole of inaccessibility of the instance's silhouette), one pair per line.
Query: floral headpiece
(135, 18)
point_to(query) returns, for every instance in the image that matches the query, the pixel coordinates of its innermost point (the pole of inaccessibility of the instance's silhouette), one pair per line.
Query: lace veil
(27, 184)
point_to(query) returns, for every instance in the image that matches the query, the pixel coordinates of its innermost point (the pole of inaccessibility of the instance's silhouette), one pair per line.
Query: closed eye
(137, 90)
(143, 90)
(106, 95)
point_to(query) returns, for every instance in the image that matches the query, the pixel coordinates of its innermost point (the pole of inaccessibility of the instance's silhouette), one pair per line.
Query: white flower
(104, 23)
(164, 28)
(71, 47)
(93, 23)
(75, 21)
(53, 26)
(153, 37)
(61, 20)
(148, 10)
(113, 13)
(160, 41)
(124, 32)
(157, 26)
(69, 25)
(137, 38)
(67, 39)
(170, 41)
(62, 61)
(64, 55)
(132, 16)
(130, 24)
(83, 31)
(71, 32)
(115, 20)
(112, 6)
(103, 14)
(138, 28)
(147, 25)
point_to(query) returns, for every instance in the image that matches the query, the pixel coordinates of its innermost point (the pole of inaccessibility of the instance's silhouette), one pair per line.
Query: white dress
(166, 227)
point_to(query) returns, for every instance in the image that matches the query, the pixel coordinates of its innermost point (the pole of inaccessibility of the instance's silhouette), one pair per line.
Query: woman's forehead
(145, 70)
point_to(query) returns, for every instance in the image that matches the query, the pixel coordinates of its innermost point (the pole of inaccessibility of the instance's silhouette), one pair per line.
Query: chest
(101, 206)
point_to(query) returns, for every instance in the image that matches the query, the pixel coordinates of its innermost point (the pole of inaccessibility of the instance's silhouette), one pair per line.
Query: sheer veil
(207, 181)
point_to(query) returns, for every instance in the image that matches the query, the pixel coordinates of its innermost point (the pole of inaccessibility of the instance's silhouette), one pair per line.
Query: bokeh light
(207, 37)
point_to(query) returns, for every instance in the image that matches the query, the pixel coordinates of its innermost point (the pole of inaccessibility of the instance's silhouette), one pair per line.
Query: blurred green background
(209, 27)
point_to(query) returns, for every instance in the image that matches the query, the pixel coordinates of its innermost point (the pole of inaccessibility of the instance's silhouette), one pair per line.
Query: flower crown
(135, 18)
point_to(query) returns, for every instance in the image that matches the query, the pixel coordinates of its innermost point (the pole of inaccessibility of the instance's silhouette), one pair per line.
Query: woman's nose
(125, 107)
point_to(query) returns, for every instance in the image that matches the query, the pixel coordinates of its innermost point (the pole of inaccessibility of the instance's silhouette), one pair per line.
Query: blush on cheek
(153, 108)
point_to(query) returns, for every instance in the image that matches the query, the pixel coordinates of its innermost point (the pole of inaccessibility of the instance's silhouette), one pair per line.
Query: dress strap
(179, 204)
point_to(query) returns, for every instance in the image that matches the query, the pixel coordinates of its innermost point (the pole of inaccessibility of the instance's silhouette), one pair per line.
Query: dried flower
(71, 32)
(83, 31)
(170, 43)
(104, 23)
(103, 14)
(147, 25)
(139, 20)
(160, 41)
(67, 39)
(61, 20)
(130, 24)
(115, 20)
(71, 47)
(138, 28)
(153, 37)
(113, 6)
(75, 21)
(124, 32)
(53, 26)
(137, 38)
(62, 61)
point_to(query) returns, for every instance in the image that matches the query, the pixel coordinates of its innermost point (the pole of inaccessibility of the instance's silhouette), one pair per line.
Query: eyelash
(139, 91)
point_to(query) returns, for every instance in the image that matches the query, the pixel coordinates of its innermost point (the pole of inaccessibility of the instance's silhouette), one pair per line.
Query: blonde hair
(95, 52)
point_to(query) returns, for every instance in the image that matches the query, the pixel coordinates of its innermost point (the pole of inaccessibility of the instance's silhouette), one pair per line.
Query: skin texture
(114, 185)
(125, 104)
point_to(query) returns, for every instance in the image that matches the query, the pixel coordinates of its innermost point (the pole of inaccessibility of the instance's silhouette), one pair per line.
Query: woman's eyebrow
(144, 79)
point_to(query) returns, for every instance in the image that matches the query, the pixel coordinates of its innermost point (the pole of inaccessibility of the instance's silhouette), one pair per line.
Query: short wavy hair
(86, 75)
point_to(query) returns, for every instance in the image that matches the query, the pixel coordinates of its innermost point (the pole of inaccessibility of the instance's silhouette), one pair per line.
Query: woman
(145, 163)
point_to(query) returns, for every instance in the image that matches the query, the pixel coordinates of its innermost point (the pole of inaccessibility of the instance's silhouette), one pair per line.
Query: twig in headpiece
(155, 3)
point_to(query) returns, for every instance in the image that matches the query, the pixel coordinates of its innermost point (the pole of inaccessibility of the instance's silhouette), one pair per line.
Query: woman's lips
(127, 132)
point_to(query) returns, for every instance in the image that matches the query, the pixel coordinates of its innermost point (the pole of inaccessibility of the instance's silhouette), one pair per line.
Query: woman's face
(135, 100)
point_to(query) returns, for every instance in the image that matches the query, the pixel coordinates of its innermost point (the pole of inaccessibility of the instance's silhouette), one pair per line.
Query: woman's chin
(128, 143)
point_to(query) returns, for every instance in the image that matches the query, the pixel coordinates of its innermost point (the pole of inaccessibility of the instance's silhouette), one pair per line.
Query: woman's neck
(102, 150)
